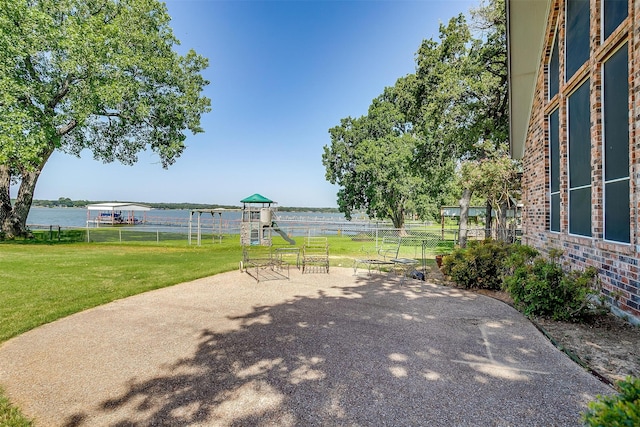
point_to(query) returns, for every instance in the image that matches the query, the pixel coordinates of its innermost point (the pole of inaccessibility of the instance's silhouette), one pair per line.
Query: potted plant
(441, 252)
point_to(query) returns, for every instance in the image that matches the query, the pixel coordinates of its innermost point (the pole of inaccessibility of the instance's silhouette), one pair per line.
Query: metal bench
(263, 264)
(315, 255)
(376, 258)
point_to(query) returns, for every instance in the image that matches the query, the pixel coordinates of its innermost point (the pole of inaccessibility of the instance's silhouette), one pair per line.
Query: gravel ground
(317, 349)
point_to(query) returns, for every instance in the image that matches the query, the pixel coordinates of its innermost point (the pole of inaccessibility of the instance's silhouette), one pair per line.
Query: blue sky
(282, 73)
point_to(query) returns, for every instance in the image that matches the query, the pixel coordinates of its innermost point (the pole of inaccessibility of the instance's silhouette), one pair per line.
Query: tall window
(613, 13)
(554, 69)
(554, 175)
(579, 130)
(616, 147)
(577, 43)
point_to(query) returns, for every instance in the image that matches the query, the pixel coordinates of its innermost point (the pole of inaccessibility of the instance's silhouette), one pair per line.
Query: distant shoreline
(68, 203)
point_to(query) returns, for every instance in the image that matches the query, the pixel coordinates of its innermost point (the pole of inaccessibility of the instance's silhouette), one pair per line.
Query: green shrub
(479, 265)
(541, 287)
(519, 255)
(538, 286)
(622, 409)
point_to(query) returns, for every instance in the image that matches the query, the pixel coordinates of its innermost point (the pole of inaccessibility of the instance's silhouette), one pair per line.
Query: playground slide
(282, 233)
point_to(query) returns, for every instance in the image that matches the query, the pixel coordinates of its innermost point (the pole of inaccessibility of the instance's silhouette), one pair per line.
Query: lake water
(178, 219)
(77, 217)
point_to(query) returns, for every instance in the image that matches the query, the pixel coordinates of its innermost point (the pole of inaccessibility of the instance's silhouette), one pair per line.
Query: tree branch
(106, 114)
(67, 128)
(62, 92)
(31, 69)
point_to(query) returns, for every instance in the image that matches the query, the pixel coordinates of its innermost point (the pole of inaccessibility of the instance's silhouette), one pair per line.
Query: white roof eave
(526, 26)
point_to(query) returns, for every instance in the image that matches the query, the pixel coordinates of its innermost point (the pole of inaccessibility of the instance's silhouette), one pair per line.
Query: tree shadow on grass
(371, 354)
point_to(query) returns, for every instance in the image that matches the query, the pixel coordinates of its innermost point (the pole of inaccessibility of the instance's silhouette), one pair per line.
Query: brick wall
(617, 264)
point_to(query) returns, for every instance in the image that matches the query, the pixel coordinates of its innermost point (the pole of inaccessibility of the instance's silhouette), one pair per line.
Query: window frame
(571, 191)
(555, 48)
(604, 36)
(552, 193)
(605, 181)
(568, 37)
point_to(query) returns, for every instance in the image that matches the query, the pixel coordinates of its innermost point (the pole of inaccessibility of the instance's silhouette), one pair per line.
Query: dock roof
(118, 206)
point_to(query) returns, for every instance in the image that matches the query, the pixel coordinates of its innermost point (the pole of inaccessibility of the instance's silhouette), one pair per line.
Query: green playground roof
(256, 198)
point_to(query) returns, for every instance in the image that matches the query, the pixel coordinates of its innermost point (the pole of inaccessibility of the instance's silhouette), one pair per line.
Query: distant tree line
(65, 202)
(298, 209)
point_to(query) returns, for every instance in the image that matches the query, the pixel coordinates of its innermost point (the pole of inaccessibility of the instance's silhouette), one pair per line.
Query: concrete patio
(317, 349)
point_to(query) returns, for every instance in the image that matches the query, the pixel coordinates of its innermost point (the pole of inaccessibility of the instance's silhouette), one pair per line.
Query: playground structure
(256, 226)
(257, 222)
(198, 226)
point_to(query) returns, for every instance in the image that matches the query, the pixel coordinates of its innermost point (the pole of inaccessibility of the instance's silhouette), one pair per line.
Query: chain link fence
(56, 233)
(416, 238)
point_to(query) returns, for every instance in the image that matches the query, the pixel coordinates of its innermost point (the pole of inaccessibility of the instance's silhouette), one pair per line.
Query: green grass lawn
(10, 416)
(40, 283)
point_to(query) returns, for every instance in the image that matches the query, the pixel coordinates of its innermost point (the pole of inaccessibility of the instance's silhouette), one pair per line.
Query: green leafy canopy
(96, 74)
(101, 75)
(371, 158)
(401, 156)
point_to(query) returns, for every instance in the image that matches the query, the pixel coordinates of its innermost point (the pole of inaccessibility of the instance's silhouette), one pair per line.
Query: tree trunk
(488, 221)
(505, 234)
(398, 222)
(14, 219)
(502, 225)
(465, 200)
(5, 196)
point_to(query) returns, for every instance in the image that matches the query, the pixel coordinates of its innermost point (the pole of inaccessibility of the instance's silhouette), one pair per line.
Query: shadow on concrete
(373, 353)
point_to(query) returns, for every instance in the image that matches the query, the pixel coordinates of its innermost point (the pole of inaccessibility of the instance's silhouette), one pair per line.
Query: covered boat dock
(116, 213)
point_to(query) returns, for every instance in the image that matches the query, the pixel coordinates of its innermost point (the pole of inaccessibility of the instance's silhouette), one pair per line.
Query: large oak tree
(371, 159)
(100, 75)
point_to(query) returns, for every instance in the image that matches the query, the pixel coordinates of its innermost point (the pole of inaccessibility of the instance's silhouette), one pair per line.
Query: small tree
(495, 177)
